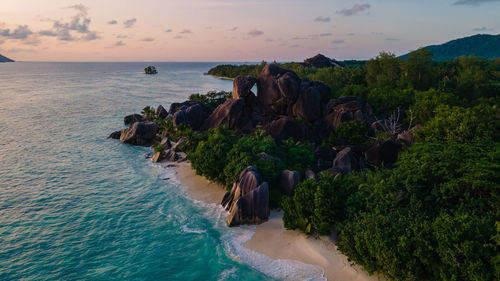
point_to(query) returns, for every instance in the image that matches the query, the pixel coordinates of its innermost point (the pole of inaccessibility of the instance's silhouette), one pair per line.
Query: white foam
(187, 229)
(279, 269)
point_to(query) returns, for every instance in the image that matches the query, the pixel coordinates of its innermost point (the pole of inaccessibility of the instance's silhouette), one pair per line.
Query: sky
(233, 30)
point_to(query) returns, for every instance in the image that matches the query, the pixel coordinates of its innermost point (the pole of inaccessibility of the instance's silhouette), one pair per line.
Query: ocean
(75, 205)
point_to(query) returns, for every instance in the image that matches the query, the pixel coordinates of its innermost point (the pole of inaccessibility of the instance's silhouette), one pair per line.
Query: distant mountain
(5, 59)
(481, 45)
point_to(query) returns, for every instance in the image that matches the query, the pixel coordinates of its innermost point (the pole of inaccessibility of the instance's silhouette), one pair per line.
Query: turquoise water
(77, 206)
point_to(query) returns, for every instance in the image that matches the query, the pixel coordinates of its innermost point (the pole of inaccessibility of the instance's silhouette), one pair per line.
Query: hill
(5, 59)
(481, 45)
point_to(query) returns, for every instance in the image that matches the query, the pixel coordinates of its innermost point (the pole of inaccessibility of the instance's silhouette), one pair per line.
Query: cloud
(233, 29)
(168, 30)
(130, 22)
(391, 39)
(473, 2)
(482, 28)
(148, 39)
(112, 22)
(269, 40)
(322, 19)
(20, 50)
(325, 34)
(79, 23)
(255, 33)
(338, 41)
(357, 8)
(350, 34)
(119, 44)
(294, 46)
(185, 31)
(178, 37)
(121, 36)
(21, 32)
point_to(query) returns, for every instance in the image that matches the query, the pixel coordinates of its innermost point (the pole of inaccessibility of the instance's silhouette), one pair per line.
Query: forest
(432, 215)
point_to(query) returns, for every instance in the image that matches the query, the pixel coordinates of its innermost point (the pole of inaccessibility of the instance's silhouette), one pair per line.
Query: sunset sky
(233, 30)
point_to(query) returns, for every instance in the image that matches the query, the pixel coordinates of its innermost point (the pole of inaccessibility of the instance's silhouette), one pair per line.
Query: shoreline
(273, 240)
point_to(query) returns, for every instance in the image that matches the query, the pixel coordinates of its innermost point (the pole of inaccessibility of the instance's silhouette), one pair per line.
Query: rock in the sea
(320, 61)
(348, 108)
(140, 133)
(248, 200)
(161, 112)
(132, 118)
(242, 86)
(346, 161)
(277, 89)
(287, 181)
(283, 129)
(313, 97)
(192, 116)
(150, 70)
(115, 135)
(230, 113)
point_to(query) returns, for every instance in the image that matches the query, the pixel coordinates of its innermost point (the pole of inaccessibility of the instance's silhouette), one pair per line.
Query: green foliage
(298, 156)
(352, 132)
(431, 218)
(387, 100)
(419, 71)
(148, 113)
(424, 107)
(212, 98)
(383, 71)
(315, 205)
(462, 125)
(158, 148)
(210, 156)
(246, 152)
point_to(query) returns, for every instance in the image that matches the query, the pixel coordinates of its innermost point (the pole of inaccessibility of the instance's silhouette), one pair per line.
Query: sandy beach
(273, 240)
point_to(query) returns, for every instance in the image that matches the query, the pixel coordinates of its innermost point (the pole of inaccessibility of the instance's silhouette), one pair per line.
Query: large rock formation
(382, 152)
(161, 112)
(132, 118)
(348, 108)
(248, 200)
(313, 97)
(287, 181)
(140, 133)
(176, 106)
(283, 129)
(346, 161)
(192, 116)
(242, 86)
(277, 89)
(230, 113)
(320, 61)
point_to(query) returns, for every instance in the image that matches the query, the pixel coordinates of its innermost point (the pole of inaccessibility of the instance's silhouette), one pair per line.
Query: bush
(212, 98)
(387, 100)
(210, 156)
(298, 156)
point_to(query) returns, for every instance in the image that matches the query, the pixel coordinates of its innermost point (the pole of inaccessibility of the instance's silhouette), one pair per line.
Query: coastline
(272, 239)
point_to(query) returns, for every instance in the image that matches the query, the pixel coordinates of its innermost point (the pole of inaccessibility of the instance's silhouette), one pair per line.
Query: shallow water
(77, 206)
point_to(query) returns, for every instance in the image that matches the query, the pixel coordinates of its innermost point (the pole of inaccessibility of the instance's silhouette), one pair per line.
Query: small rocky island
(5, 59)
(285, 108)
(150, 70)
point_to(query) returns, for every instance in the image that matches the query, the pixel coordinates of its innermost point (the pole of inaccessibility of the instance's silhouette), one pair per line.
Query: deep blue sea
(75, 205)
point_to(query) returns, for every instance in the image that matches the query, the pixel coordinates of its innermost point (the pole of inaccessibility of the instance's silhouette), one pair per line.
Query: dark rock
(248, 200)
(176, 106)
(115, 135)
(385, 152)
(140, 133)
(334, 171)
(287, 181)
(320, 131)
(242, 86)
(311, 175)
(346, 161)
(150, 70)
(161, 112)
(192, 116)
(348, 108)
(229, 113)
(132, 118)
(313, 97)
(283, 129)
(277, 89)
(320, 61)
